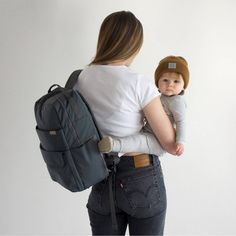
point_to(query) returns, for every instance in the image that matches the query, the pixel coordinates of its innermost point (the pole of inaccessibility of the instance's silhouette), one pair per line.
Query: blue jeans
(140, 200)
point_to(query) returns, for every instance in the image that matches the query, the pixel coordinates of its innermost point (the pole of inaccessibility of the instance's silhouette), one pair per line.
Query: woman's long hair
(120, 37)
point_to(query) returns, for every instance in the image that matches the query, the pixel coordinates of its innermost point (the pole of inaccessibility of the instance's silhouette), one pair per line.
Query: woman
(119, 100)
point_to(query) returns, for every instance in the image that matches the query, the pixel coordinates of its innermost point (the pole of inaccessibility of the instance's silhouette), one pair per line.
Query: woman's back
(116, 96)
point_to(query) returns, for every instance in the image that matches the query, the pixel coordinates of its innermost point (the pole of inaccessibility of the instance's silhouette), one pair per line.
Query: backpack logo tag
(53, 132)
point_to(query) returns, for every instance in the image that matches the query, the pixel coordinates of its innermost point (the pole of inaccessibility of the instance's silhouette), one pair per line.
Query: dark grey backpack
(68, 137)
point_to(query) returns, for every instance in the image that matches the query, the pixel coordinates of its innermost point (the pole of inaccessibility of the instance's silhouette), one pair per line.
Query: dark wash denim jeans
(140, 200)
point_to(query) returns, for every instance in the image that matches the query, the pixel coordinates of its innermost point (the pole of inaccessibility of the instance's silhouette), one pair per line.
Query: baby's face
(171, 83)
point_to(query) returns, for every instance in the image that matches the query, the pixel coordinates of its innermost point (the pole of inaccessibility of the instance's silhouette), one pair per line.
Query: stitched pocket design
(142, 192)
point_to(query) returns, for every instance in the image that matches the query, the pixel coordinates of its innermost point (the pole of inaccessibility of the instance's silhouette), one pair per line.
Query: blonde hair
(120, 37)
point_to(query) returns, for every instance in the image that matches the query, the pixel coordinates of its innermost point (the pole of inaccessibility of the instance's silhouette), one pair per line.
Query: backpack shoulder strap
(72, 79)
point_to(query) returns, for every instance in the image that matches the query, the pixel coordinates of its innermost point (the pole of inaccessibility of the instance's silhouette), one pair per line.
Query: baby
(171, 79)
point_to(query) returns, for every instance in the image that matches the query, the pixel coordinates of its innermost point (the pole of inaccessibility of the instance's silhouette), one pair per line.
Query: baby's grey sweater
(175, 108)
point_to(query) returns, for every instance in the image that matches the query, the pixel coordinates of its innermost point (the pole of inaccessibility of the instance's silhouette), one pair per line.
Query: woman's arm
(160, 124)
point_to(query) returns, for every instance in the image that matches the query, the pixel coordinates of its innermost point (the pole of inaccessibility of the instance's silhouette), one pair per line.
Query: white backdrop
(43, 41)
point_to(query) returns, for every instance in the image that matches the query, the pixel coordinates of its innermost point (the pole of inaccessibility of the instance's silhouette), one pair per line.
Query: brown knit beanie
(173, 64)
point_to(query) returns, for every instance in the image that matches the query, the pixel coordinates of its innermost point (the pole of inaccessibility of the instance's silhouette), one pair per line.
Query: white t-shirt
(116, 96)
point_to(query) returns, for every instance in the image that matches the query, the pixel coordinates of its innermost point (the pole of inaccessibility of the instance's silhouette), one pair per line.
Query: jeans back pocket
(143, 194)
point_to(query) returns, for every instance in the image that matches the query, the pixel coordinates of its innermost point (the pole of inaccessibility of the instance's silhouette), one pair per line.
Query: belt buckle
(141, 160)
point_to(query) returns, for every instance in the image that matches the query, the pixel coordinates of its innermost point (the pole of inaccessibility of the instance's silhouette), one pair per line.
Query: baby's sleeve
(178, 110)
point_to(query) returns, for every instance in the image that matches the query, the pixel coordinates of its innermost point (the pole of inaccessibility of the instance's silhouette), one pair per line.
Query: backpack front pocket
(52, 140)
(60, 170)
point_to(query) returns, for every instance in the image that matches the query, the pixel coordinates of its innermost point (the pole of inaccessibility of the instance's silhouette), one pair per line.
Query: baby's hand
(179, 148)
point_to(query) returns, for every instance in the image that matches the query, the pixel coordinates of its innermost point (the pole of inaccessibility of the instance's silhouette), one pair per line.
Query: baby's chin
(169, 93)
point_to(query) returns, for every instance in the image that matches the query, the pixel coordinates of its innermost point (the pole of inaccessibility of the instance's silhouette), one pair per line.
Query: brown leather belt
(141, 160)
